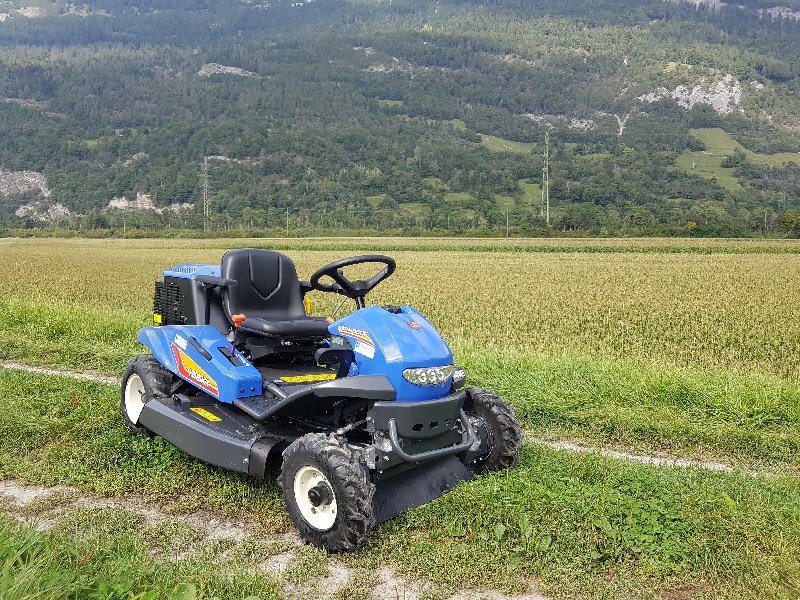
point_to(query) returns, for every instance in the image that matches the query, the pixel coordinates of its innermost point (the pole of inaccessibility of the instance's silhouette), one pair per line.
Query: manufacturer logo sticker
(181, 342)
(367, 350)
(414, 325)
(192, 371)
(357, 334)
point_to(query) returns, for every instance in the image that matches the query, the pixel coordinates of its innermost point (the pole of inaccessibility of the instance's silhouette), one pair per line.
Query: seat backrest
(267, 285)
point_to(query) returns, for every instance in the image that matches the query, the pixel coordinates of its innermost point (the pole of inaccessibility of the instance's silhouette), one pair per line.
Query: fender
(385, 342)
(201, 356)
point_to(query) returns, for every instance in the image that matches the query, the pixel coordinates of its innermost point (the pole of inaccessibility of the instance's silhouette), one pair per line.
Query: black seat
(268, 294)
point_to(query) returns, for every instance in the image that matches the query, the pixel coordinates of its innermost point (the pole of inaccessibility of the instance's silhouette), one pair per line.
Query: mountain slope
(405, 114)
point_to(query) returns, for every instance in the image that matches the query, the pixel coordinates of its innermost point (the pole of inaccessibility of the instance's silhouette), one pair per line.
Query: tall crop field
(718, 304)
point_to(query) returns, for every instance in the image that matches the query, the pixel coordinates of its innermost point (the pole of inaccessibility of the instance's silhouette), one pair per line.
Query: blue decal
(192, 271)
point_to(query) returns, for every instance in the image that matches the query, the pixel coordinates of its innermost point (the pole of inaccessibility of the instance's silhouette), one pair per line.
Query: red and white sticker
(414, 325)
(364, 344)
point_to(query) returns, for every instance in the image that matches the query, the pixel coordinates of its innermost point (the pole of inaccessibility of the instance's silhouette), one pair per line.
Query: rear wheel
(327, 492)
(144, 379)
(504, 437)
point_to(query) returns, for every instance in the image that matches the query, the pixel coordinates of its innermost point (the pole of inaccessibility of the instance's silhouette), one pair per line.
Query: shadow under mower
(367, 413)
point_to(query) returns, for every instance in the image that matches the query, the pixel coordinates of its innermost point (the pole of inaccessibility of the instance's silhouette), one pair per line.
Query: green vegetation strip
(503, 245)
(753, 421)
(581, 525)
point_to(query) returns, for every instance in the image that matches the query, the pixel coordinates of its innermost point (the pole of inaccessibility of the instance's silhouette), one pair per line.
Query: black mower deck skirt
(417, 486)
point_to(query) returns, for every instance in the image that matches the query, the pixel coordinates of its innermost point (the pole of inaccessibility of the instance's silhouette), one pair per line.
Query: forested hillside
(663, 117)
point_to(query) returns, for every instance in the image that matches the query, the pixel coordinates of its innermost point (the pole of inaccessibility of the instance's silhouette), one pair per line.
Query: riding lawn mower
(367, 416)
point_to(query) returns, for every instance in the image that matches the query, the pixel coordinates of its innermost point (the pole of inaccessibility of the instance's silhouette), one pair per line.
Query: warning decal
(207, 415)
(308, 378)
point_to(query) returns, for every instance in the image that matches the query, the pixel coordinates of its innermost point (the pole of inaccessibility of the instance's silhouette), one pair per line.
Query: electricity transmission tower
(546, 179)
(206, 208)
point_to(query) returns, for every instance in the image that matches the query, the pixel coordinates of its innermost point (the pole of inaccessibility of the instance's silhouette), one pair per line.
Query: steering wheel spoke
(352, 289)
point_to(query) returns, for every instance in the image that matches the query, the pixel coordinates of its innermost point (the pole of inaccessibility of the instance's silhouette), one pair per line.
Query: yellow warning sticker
(208, 416)
(157, 319)
(308, 378)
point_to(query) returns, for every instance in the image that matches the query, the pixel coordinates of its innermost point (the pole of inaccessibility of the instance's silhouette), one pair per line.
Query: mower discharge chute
(368, 414)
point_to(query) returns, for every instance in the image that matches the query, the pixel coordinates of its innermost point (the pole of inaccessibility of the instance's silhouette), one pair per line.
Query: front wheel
(327, 492)
(504, 436)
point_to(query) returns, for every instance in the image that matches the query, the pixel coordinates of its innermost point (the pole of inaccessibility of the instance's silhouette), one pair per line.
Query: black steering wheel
(352, 289)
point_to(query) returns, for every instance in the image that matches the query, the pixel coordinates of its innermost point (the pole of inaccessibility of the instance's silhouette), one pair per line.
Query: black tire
(348, 477)
(505, 436)
(157, 382)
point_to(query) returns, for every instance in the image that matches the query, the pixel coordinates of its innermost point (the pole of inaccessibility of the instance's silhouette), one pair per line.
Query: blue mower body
(384, 343)
(201, 356)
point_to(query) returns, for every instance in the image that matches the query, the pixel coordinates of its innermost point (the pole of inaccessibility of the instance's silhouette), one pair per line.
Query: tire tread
(502, 422)
(355, 519)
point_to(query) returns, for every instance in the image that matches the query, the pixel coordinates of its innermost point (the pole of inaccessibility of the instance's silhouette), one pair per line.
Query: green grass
(459, 198)
(745, 420)
(498, 144)
(505, 202)
(592, 527)
(375, 201)
(685, 347)
(531, 193)
(101, 554)
(416, 209)
(719, 143)
(435, 183)
(691, 412)
(457, 124)
(581, 525)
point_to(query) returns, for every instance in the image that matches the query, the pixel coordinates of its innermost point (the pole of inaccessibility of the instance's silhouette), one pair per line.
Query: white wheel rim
(134, 397)
(320, 517)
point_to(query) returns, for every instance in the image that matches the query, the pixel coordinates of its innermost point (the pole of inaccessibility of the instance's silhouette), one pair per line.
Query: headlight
(459, 377)
(428, 376)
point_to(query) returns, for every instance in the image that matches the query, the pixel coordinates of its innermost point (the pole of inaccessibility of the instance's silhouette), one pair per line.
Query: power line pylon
(206, 208)
(546, 179)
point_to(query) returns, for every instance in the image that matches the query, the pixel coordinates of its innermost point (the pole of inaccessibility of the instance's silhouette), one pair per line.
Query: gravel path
(82, 376)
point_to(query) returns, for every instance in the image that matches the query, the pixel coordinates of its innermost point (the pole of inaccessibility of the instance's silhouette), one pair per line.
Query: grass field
(709, 166)
(719, 145)
(719, 142)
(498, 144)
(686, 346)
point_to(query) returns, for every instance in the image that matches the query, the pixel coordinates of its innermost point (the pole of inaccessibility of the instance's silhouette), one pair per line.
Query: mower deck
(215, 433)
(228, 438)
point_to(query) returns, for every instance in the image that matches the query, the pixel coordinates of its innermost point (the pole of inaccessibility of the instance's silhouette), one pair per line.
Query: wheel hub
(320, 494)
(315, 498)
